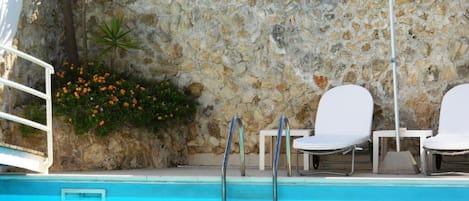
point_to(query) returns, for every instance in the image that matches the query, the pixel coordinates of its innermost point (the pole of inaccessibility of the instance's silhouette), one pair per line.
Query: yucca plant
(113, 38)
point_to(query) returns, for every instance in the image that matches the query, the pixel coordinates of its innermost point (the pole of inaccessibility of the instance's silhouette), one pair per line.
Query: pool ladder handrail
(283, 123)
(235, 120)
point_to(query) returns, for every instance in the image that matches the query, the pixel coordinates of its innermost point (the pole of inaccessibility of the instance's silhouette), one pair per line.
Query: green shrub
(95, 99)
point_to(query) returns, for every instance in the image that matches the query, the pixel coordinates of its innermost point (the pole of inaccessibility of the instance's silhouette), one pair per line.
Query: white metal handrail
(24, 88)
(235, 120)
(283, 124)
(47, 96)
(28, 57)
(24, 121)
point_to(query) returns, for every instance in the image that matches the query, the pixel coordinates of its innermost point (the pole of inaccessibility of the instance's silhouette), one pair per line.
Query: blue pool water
(51, 188)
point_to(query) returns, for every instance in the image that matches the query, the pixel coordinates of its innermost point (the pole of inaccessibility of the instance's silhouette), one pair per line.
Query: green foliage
(113, 37)
(36, 112)
(94, 99)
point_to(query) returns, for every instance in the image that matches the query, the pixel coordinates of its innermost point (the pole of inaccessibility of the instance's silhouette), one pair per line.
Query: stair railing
(47, 96)
(235, 120)
(283, 124)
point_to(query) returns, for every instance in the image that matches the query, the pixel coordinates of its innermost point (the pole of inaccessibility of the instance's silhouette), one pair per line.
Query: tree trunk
(85, 37)
(70, 40)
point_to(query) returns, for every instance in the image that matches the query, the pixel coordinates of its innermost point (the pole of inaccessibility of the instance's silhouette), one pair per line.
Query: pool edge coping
(426, 181)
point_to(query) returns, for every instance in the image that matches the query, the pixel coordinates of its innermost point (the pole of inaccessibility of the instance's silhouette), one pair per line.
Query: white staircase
(16, 156)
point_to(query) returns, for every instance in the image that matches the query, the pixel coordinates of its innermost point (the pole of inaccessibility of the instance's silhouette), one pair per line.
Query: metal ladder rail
(283, 123)
(47, 96)
(235, 120)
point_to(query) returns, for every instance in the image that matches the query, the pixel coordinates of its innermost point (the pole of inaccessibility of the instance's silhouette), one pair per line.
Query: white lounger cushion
(453, 129)
(447, 142)
(328, 142)
(343, 119)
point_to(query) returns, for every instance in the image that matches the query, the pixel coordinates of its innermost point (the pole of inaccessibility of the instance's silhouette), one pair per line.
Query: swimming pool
(146, 188)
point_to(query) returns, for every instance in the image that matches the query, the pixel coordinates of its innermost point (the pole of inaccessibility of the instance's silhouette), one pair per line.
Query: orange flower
(81, 80)
(98, 79)
(126, 104)
(101, 123)
(140, 108)
(134, 101)
(60, 74)
(76, 95)
(103, 88)
(122, 91)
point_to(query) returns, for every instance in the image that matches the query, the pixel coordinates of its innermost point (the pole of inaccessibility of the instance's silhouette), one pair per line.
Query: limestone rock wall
(128, 148)
(39, 34)
(261, 59)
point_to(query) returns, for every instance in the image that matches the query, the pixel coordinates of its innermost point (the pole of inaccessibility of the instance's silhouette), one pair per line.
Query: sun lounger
(453, 129)
(343, 122)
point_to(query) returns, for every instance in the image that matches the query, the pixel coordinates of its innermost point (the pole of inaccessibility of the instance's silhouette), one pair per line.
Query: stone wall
(38, 34)
(261, 59)
(128, 148)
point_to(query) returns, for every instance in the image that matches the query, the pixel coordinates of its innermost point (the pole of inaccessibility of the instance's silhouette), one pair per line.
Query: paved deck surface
(209, 171)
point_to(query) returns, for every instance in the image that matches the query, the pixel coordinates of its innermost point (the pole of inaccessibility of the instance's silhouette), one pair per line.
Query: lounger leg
(344, 152)
(316, 161)
(438, 159)
(424, 164)
(353, 163)
(297, 169)
(427, 169)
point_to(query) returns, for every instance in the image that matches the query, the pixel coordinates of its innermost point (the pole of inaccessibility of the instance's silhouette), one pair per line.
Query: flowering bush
(96, 99)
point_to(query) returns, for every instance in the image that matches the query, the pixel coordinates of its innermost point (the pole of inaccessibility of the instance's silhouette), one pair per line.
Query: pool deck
(234, 173)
